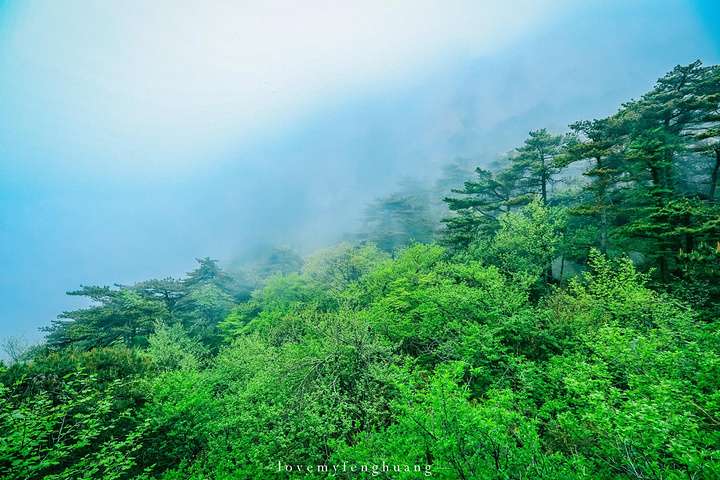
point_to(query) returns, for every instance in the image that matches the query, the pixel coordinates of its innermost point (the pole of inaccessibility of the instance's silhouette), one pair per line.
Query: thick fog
(134, 139)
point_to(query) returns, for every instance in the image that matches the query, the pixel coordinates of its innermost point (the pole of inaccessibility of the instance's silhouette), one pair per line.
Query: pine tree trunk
(658, 182)
(714, 177)
(603, 181)
(548, 276)
(603, 227)
(664, 270)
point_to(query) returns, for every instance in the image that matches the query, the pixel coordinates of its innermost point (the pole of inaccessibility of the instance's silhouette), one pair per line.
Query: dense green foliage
(481, 355)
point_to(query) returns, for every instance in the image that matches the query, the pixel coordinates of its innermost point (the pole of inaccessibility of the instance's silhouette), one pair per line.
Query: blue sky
(135, 138)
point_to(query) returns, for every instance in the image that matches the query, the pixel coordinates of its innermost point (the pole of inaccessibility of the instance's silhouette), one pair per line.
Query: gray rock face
(568, 268)
(637, 258)
(571, 269)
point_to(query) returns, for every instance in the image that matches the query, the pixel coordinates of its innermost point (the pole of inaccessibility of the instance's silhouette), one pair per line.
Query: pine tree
(659, 129)
(599, 144)
(538, 161)
(481, 203)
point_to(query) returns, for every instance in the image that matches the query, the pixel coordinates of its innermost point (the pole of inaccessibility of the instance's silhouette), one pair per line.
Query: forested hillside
(553, 315)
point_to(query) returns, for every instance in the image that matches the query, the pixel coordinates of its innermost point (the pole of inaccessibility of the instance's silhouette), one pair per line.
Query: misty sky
(136, 136)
